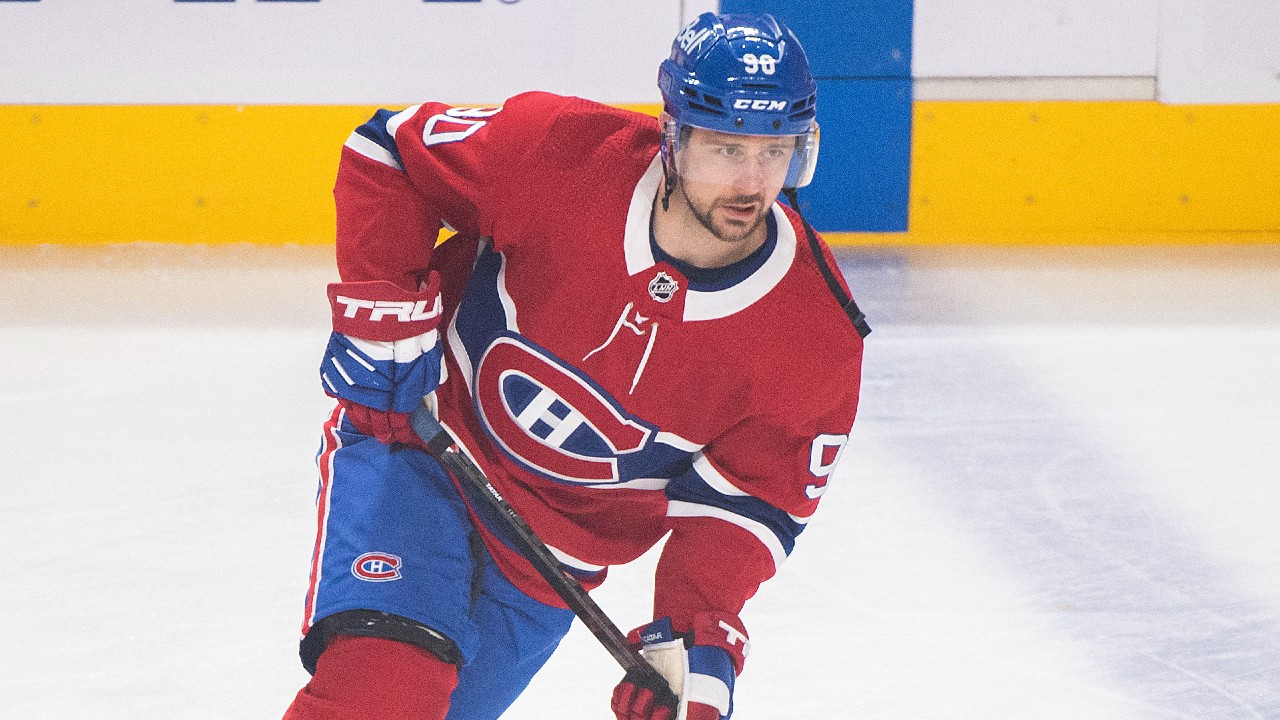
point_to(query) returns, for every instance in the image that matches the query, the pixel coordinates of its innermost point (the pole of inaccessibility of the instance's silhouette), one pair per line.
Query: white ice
(1061, 500)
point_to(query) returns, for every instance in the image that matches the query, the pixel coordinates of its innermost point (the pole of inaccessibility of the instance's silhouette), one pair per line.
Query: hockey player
(626, 333)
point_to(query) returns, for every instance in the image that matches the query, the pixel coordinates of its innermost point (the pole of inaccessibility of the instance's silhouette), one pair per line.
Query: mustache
(742, 200)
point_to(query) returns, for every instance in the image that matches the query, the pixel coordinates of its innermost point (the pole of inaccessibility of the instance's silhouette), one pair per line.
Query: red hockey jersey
(608, 399)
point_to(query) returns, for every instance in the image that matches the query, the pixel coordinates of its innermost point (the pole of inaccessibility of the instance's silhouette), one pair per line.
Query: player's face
(730, 181)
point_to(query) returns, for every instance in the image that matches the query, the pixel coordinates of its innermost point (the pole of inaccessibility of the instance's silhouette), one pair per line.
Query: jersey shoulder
(811, 257)
(579, 129)
(816, 350)
(812, 299)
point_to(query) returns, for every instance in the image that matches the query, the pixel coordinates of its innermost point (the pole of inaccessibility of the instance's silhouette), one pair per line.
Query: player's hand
(644, 696)
(384, 355)
(700, 676)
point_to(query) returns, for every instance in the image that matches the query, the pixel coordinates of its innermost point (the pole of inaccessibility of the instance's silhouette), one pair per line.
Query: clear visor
(726, 158)
(805, 160)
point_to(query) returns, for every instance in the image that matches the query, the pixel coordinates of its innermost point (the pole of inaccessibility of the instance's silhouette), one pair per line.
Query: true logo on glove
(406, 311)
(735, 636)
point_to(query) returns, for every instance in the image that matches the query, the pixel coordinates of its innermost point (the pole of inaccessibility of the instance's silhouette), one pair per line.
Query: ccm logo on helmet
(406, 311)
(377, 567)
(771, 105)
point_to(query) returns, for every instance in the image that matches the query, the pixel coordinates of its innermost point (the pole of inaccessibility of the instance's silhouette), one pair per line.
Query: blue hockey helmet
(745, 74)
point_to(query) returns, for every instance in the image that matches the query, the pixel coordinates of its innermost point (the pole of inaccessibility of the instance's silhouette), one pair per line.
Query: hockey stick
(442, 447)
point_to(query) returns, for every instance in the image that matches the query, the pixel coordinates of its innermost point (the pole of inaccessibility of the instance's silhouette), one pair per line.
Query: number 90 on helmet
(745, 74)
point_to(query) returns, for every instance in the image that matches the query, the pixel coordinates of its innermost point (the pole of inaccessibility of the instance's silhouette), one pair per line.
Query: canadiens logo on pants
(377, 567)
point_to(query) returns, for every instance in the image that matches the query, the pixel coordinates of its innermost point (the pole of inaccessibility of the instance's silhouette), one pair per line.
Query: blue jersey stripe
(376, 130)
(692, 488)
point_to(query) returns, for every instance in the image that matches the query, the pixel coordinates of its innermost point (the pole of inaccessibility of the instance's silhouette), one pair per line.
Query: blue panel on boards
(864, 163)
(860, 50)
(844, 38)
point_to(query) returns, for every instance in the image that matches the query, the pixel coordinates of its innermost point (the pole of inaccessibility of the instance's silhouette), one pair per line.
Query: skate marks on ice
(1070, 448)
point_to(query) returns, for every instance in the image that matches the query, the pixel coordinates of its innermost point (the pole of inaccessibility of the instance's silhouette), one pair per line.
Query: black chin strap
(847, 304)
(669, 183)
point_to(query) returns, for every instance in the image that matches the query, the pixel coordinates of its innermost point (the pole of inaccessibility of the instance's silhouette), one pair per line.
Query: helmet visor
(805, 160)
(724, 158)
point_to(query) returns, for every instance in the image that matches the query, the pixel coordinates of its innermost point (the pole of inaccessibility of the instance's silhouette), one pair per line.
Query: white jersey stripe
(333, 442)
(677, 442)
(372, 150)
(714, 478)
(573, 562)
(681, 508)
(395, 121)
(636, 484)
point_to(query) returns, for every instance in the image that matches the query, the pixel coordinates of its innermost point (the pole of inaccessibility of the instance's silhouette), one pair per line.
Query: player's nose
(749, 179)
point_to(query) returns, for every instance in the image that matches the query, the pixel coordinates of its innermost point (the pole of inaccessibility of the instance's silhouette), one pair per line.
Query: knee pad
(372, 623)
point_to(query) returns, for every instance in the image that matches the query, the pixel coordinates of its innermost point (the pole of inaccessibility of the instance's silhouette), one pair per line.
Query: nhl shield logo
(663, 287)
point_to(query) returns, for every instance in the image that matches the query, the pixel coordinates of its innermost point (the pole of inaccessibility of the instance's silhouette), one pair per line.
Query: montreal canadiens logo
(663, 287)
(550, 419)
(377, 567)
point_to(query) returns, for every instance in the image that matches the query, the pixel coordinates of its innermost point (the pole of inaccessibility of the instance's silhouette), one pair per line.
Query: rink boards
(981, 172)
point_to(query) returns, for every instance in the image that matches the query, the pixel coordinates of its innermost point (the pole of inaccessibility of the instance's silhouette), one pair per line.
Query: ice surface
(1061, 499)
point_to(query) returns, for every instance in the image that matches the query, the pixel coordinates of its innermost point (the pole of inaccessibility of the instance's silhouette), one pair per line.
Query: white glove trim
(672, 662)
(401, 351)
(706, 689)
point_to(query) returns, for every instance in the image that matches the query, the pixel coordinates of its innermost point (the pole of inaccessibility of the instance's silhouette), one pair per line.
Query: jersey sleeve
(403, 175)
(737, 512)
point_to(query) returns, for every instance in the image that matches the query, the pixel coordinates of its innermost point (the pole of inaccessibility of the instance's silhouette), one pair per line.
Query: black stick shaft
(443, 448)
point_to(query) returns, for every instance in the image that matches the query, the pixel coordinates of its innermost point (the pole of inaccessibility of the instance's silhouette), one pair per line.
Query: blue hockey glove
(701, 675)
(384, 354)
